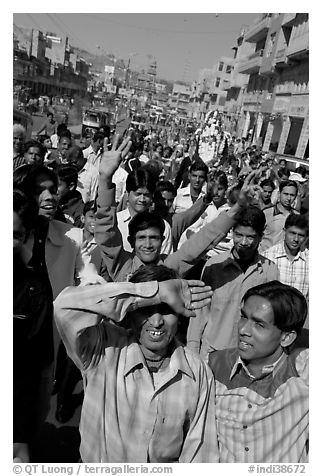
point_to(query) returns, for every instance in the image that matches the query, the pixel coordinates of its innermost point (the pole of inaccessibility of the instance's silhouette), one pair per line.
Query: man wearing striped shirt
(262, 390)
(291, 255)
(147, 398)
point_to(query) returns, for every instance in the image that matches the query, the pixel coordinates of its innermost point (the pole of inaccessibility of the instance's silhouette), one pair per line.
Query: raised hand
(111, 159)
(183, 296)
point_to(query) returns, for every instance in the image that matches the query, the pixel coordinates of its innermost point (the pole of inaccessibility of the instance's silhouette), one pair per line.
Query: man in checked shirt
(146, 397)
(262, 386)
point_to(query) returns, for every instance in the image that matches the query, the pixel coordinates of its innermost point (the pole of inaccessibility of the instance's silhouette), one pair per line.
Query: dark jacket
(72, 206)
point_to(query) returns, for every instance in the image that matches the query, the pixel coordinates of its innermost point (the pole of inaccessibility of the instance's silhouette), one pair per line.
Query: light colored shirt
(265, 419)
(123, 220)
(183, 200)
(125, 416)
(120, 263)
(119, 179)
(87, 183)
(295, 271)
(92, 156)
(216, 325)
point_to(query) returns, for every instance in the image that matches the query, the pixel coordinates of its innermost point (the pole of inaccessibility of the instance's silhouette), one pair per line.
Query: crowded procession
(160, 278)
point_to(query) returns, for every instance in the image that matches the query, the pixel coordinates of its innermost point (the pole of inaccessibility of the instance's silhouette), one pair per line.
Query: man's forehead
(149, 232)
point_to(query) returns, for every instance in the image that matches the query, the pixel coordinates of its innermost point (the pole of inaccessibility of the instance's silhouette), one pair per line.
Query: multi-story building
(45, 64)
(276, 101)
(180, 99)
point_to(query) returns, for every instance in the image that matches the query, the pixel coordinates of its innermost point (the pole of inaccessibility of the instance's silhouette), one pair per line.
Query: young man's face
(33, 156)
(197, 179)
(266, 193)
(164, 203)
(259, 340)
(294, 238)
(47, 143)
(89, 222)
(219, 193)
(246, 242)
(288, 196)
(62, 189)
(63, 145)
(154, 328)
(18, 140)
(147, 245)
(139, 200)
(46, 195)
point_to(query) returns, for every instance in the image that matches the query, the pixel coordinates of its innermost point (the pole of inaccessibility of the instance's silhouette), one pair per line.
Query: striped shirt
(125, 417)
(216, 324)
(265, 419)
(293, 272)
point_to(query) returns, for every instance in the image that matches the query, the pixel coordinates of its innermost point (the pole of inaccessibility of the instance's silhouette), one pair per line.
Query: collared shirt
(216, 325)
(183, 200)
(87, 183)
(93, 157)
(295, 271)
(264, 419)
(123, 220)
(125, 417)
(119, 179)
(121, 263)
(273, 232)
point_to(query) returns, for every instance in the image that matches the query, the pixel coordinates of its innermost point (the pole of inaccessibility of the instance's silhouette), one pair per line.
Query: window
(217, 83)
(221, 66)
(229, 68)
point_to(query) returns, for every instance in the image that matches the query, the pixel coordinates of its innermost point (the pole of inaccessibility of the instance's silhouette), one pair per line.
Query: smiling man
(147, 398)
(230, 274)
(291, 254)
(262, 386)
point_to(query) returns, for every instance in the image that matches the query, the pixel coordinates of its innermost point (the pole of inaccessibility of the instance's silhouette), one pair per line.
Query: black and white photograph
(160, 240)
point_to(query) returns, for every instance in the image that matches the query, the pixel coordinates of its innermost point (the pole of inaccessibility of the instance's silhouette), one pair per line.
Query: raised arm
(107, 234)
(80, 311)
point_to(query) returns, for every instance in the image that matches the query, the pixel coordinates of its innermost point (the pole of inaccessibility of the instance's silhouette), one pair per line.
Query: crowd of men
(168, 269)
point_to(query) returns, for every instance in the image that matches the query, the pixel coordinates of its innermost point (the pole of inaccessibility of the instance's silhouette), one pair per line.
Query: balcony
(298, 47)
(254, 97)
(281, 60)
(288, 19)
(252, 63)
(258, 31)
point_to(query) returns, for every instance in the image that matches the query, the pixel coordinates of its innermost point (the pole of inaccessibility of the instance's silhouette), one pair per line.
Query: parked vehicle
(25, 119)
(94, 118)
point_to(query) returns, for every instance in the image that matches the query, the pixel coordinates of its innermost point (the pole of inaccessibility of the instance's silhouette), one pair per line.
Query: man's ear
(82, 219)
(72, 186)
(288, 338)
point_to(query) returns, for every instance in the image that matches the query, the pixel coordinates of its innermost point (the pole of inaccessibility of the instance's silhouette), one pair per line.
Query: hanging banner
(246, 125)
(268, 137)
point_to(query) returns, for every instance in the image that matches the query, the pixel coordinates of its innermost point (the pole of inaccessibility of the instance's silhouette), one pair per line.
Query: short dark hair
(97, 136)
(61, 128)
(267, 183)
(139, 178)
(300, 221)
(251, 216)
(64, 133)
(50, 113)
(153, 272)
(221, 178)
(165, 186)
(26, 208)
(283, 171)
(288, 183)
(198, 165)
(34, 143)
(288, 303)
(143, 221)
(68, 174)
(90, 205)
(27, 179)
